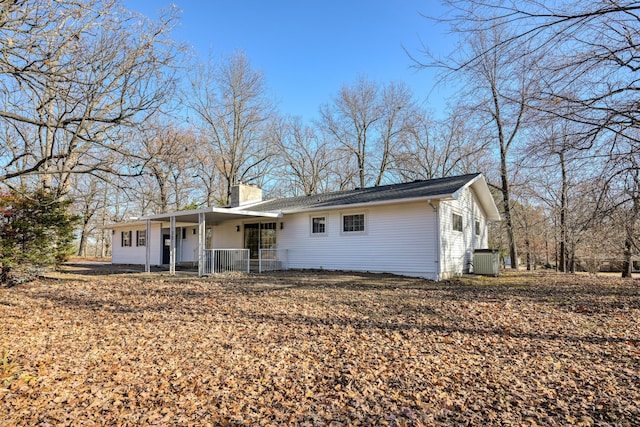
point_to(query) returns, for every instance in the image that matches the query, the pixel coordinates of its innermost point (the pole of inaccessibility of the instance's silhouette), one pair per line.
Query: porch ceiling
(212, 216)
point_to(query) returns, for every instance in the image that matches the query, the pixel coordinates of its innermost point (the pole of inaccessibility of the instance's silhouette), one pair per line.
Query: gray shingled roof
(410, 190)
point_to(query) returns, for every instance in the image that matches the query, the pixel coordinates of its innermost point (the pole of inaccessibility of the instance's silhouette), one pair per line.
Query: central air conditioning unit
(486, 262)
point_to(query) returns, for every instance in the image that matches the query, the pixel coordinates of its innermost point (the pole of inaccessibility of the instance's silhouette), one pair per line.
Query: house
(423, 228)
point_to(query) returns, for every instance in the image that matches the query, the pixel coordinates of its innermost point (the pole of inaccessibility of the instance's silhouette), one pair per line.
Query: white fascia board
(440, 197)
(254, 213)
(123, 224)
(479, 183)
(246, 205)
(225, 211)
(165, 217)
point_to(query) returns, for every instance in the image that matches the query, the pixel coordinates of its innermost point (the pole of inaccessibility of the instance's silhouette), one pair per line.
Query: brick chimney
(242, 194)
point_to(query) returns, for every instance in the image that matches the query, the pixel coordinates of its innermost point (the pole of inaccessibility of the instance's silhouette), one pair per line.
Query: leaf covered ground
(320, 349)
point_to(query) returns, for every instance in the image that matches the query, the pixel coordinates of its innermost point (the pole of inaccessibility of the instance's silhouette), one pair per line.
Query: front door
(259, 236)
(166, 248)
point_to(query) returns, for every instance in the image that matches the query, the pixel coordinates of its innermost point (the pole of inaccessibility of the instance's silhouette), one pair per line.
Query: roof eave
(479, 184)
(164, 217)
(226, 211)
(439, 197)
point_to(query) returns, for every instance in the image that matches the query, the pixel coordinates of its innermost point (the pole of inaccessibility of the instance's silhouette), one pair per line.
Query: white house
(422, 228)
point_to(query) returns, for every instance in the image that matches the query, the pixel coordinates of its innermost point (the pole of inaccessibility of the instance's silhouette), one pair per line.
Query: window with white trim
(456, 221)
(141, 238)
(477, 228)
(353, 223)
(125, 238)
(318, 225)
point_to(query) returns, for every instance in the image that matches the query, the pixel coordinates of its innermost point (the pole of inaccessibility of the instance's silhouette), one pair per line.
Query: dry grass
(320, 349)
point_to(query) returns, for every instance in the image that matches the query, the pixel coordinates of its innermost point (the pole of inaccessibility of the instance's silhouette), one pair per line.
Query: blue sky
(308, 49)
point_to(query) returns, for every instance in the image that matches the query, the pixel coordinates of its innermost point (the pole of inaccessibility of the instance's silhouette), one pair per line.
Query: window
(125, 238)
(318, 225)
(268, 235)
(477, 228)
(457, 222)
(141, 238)
(353, 223)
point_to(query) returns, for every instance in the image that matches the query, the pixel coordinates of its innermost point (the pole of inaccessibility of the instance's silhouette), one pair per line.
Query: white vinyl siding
(398, 239)
(225, 236)
(188, 245)
(136, 254)
(457, 247)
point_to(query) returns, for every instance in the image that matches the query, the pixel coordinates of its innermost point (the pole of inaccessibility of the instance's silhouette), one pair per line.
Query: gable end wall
(457, 247)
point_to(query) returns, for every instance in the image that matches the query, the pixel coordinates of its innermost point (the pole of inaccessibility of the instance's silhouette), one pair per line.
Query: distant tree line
(101, 107)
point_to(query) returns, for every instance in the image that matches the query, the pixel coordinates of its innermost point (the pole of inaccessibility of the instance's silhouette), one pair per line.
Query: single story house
(424, 228)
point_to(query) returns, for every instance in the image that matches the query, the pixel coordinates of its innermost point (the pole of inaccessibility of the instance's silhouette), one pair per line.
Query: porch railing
(226, 260)
(272, 260)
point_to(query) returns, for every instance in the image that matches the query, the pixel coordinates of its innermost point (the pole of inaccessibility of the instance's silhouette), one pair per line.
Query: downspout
(435, 209)
(172, 248)
(201, 244)
(147, 249)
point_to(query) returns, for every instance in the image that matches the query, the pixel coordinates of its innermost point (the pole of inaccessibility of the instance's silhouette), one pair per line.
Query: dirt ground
(97, 344)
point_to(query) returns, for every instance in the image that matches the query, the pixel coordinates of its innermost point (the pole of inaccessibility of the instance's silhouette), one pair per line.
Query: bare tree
(306, 159)
(166, 152)
(207, 174)
(367, 123)
(72, 73)
(622, 188)
(530, 222)
(88, 202)
(592, 46)
(398, 116)
(230, 100)
(439, 148)
(555, 148)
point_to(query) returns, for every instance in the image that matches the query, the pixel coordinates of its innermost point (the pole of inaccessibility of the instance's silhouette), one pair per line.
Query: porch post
(201, 244)
(147, 263)
(172, 248)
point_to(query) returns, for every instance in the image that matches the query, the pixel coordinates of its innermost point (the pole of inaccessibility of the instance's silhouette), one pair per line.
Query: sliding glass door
(259, 236)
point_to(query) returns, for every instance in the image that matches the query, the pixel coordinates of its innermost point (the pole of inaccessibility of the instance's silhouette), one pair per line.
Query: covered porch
(220, 240)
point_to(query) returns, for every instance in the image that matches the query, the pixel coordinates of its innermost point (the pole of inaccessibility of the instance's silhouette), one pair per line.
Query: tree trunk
(513, 253)
(563, 216)
(572, 259)
(627, 263)
(82, 247)
(104, 247)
